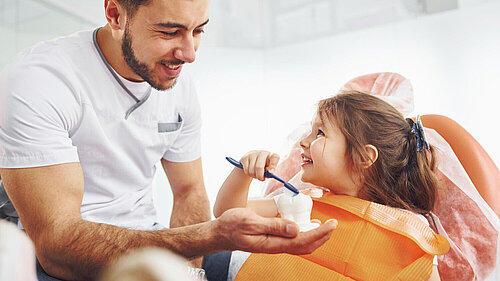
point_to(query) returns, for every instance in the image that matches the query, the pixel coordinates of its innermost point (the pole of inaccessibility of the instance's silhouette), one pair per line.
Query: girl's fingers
(273, 162)
(261, 164)
(255, 163)
(251, 166)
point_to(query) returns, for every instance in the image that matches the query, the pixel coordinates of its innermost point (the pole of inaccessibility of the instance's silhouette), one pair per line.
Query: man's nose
(186, 50)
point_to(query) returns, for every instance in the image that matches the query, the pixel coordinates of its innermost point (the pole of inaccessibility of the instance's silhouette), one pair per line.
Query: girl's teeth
(304, 159)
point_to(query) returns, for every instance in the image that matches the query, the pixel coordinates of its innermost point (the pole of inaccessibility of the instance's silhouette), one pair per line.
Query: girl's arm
(234, 190)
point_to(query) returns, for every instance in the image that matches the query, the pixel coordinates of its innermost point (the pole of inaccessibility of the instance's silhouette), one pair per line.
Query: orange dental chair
(480, 168)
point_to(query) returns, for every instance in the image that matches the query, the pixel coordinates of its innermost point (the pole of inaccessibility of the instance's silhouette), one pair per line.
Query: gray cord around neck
(112, 71)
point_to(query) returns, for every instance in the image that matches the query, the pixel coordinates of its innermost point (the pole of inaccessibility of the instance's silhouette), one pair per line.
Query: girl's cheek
(316, 149)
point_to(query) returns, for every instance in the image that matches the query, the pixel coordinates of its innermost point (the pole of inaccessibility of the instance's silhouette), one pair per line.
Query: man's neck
(112, 51)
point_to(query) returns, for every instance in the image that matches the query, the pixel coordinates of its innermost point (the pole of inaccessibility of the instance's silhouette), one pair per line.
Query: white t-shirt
(59, 103)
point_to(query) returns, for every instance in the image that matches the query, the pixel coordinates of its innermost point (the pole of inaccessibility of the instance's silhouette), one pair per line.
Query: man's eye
(169, 33)
(199, 31)
(320, 133)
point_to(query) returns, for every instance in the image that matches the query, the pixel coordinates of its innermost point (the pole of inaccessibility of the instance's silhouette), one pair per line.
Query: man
(83, 121)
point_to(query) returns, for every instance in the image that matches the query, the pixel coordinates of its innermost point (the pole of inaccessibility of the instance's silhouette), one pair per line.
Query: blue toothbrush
(267, 174)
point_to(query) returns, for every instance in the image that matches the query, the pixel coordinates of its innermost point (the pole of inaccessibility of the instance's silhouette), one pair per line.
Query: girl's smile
(324, 158)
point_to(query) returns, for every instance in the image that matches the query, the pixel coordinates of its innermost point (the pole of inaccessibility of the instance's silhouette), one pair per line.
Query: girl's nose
(304, 143)
(306, 139)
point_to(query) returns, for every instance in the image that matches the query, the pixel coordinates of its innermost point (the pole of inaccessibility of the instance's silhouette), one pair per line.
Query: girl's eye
(320, 133)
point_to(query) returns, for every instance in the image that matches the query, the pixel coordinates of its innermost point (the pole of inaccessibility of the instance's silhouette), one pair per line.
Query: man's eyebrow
(177, 25)
(203, 24)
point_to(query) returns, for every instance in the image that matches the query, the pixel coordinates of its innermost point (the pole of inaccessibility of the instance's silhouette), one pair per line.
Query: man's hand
(243, 229)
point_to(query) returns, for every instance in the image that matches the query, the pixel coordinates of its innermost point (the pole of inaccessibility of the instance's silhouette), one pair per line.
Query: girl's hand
(257, 161)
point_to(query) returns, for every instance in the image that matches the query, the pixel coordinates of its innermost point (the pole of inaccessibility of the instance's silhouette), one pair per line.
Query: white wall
(254, 99)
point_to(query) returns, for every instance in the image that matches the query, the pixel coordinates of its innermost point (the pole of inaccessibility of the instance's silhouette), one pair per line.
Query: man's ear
(115, 14)
(372, 153)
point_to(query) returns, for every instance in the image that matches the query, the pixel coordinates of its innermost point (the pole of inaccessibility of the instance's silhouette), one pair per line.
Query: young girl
(378, 169)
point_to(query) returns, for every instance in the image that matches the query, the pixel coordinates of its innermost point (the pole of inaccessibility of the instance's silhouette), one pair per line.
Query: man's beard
(138, 67)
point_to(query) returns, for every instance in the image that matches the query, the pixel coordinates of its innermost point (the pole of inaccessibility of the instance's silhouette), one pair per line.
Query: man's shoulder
(55, 54)
(63, 44)
(49, 64)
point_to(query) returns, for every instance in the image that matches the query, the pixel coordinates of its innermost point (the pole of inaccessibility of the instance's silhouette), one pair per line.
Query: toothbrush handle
(234, 162)
(286, 184)
(267, 174)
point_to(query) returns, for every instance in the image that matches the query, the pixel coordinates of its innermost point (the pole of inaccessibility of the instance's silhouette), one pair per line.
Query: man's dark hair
(131, 6)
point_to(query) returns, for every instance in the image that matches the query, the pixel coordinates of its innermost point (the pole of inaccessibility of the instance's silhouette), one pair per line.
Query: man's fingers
(311, 247)
(304, 243)
(273, 235)
(280, 227)
(307, 242)
(318, 233)
(283, 237)
(334, 222)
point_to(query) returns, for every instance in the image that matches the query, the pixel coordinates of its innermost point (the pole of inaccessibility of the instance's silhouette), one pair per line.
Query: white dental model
(296, 208)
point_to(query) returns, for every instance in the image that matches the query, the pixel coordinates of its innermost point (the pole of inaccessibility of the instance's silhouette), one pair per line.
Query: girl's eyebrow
(319, 122)
(314, 123)
(318, 125)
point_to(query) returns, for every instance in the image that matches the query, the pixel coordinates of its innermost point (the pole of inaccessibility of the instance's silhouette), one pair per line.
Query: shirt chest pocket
(170, 130)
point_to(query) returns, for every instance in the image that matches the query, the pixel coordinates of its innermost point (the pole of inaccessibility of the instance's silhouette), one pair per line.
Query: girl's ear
(372, 153)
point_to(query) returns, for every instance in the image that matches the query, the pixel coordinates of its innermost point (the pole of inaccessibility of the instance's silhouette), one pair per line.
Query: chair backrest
(481, 169)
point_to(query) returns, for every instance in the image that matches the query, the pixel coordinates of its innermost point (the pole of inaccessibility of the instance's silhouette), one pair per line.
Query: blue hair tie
(418, 130)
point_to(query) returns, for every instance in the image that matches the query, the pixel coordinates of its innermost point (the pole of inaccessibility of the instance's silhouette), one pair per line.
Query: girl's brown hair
(401, 177)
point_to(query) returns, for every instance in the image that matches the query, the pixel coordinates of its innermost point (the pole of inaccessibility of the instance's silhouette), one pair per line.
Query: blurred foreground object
(17, 257)
(152, 264)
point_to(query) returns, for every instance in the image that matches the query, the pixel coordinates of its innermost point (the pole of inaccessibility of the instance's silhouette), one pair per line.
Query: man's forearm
(190, 208)
(82, 249)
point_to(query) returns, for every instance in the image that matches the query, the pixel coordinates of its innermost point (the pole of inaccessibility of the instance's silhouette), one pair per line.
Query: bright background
(264, 64)
(253, 99)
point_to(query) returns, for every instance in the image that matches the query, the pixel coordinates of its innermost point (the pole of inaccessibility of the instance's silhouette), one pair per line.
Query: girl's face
(324, 159)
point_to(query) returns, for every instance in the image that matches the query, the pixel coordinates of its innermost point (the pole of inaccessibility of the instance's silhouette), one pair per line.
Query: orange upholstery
(481, 169)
